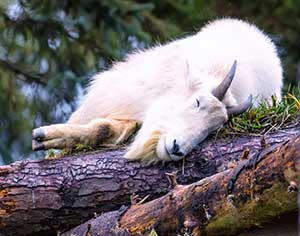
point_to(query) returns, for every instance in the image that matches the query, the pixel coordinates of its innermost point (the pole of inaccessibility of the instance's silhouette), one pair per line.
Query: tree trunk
(45, 196)
(252, 193)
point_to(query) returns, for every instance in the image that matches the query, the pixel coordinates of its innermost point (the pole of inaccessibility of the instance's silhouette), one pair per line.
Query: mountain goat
(179, 93)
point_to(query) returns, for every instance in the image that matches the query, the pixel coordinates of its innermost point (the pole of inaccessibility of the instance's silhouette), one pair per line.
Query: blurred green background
(49, 50)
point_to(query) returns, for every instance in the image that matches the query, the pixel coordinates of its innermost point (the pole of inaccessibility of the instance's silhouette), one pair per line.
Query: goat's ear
(188, 73)
(187, 69)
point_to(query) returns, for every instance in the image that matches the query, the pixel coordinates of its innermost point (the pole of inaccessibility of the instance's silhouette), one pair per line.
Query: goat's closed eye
(197, 103)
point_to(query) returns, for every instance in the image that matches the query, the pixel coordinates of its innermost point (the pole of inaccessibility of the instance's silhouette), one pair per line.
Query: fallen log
(45, 196)
(265, 188)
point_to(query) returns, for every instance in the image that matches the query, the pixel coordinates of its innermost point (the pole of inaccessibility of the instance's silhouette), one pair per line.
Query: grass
(266, 118)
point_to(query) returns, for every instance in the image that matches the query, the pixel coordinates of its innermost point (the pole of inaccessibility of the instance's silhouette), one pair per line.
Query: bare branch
(30, 77)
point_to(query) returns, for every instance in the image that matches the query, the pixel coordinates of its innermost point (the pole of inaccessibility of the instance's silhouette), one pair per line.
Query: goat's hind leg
(97, 132)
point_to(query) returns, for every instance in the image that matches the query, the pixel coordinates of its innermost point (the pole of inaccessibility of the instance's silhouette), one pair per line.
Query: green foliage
(267, 118)
(50, 154)
(50, 49)
(153, 233)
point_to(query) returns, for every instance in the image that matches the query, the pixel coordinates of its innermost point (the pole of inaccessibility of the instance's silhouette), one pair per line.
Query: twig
(36, 78)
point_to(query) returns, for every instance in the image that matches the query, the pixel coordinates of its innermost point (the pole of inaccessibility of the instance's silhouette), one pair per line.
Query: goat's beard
(146, 152)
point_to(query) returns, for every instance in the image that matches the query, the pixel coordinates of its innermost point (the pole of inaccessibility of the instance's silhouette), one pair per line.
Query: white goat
(176, 92)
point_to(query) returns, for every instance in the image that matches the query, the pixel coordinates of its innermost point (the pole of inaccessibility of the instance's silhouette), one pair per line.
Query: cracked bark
(42, 197)
(261, 192)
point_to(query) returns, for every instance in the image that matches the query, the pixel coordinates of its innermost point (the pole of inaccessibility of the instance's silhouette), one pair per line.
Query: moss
(81, 149)
(273, 202)
(153, 233)
(50, 154)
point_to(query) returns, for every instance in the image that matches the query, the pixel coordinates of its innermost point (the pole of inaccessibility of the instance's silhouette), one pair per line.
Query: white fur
(158, 87)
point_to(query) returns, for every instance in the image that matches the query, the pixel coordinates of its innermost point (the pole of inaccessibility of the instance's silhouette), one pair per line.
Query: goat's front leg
(94, 133)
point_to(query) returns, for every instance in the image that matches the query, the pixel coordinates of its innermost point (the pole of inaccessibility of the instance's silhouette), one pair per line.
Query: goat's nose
(176, 149)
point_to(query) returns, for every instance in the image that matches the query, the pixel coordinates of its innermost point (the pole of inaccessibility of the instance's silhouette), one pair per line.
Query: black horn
(221, 90)
(239, 109)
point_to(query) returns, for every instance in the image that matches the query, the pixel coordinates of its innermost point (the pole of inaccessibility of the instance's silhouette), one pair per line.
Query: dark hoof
(38, 134)
(36, 146)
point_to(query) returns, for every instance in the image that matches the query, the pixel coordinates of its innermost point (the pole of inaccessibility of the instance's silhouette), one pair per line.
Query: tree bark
(45, 196)
(222, 204)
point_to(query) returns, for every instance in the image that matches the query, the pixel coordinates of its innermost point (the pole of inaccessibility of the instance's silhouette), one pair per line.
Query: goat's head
(193, 119)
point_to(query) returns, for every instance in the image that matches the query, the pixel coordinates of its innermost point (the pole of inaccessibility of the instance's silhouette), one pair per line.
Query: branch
(264, 189)
(36, 78)
(50, 195)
